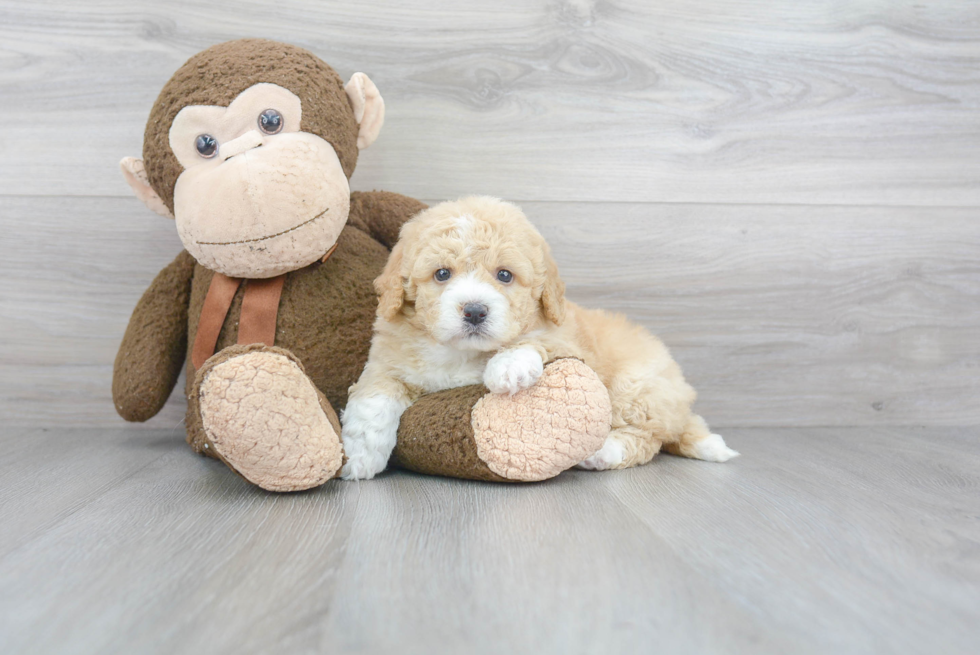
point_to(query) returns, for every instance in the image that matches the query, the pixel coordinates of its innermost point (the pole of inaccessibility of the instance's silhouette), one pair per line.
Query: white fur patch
(370, 429)
(464, 225)
(611, 454)
(713, 449)
(444, 367)
(451, 328)
(509, 371)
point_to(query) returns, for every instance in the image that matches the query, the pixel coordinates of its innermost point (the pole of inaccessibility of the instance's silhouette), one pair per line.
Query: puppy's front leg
(370, 426)
(514, 369)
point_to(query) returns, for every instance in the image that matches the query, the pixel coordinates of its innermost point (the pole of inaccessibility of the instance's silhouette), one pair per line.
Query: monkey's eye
(270, 121)
(443, 274)
(207, 146)
(505, 276)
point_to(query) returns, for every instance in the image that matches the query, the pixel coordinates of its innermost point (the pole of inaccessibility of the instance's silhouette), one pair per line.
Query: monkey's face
(257, 197)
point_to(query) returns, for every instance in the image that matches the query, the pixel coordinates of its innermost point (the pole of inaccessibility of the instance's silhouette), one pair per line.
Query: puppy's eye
(505, 276)
(443, 274)
(207, 146)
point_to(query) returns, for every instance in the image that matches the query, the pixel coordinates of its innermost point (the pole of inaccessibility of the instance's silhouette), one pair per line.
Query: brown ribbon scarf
(260, 307)
(257, 324)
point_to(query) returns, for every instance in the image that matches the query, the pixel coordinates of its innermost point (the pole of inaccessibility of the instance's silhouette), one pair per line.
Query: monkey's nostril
(475, 313)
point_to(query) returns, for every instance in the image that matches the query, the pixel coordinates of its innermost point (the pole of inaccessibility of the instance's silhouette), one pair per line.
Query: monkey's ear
(135, 175)
(389, 285)
(369, 108)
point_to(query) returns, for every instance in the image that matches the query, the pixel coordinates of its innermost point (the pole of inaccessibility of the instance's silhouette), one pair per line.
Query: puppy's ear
(553, 293)
(389, 285)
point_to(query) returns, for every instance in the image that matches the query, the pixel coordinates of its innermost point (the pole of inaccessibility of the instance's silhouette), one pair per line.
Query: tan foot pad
(263, 418)
(539, 432)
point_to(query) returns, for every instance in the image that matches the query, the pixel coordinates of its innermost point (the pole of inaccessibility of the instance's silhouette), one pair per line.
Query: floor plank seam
(102, 491)
(588, 202)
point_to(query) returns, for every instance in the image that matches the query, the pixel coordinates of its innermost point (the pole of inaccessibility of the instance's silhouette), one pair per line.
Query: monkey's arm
(153, 349)
(382, 213)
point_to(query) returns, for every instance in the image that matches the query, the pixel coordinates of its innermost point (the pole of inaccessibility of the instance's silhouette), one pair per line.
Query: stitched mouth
(265, 238)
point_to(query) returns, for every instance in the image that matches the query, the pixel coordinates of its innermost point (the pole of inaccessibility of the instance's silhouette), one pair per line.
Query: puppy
(471, 294)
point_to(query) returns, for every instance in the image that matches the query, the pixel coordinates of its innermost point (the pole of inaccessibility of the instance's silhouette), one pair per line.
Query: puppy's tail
(698, 442)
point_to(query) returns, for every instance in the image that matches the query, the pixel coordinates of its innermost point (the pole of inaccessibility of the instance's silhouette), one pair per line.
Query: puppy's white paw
(369, 434)
(611, 454)
(713, 449)
(363, 463)
(510, 371)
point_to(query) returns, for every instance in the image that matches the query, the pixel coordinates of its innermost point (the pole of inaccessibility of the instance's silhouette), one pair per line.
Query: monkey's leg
(254, 408)
(533, 435)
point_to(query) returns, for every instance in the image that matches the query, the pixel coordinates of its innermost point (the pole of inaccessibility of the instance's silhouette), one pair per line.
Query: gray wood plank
(786, 315)
(180, 556)
(872, 533)
(46, 474)
(727, 101)
(780, 315)
(843, 540)
(76, 268)
(448, 567)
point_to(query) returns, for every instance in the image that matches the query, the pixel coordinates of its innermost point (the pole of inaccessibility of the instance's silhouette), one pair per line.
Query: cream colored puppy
(471, 294)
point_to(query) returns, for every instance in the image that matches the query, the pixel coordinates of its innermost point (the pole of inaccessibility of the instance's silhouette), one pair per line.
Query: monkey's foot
(533, 435)
(539, 432)
(266, 420)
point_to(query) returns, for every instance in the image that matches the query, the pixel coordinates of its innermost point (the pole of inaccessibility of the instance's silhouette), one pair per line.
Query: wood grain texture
(564, 568)
(779, 315)
(206, 561)
(859, 525)
(785, 315)
(731, 101)
(859, 540)
(37, 462)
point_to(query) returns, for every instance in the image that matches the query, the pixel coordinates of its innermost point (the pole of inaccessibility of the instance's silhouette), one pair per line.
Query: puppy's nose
(474, 313)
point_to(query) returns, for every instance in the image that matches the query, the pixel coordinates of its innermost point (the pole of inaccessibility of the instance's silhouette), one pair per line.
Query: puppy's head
(473, 274)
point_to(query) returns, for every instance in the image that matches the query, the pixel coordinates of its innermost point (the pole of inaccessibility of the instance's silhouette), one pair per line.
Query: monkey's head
(250, 147)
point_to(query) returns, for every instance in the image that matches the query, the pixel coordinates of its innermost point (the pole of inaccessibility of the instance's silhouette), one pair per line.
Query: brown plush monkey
(250, 147)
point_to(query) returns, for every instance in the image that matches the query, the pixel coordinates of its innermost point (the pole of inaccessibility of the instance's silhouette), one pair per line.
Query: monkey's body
(269, 409)
(325, 316)
(326, 313)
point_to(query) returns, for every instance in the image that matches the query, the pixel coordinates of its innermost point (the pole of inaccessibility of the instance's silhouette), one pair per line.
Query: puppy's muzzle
(475, 313)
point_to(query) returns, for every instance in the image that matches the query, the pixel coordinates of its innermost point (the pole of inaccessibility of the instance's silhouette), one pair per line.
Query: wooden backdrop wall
(786, 192)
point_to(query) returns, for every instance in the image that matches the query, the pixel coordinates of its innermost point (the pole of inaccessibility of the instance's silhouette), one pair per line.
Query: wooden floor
(815, 540)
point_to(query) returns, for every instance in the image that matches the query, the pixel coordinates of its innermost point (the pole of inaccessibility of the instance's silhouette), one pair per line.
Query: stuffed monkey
(249, 149)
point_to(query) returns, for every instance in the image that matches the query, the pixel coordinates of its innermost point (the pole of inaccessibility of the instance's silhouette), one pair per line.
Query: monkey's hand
(382, 213)
(153, 349)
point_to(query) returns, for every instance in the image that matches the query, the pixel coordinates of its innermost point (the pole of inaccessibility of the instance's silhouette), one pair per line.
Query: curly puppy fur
(480, 254)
